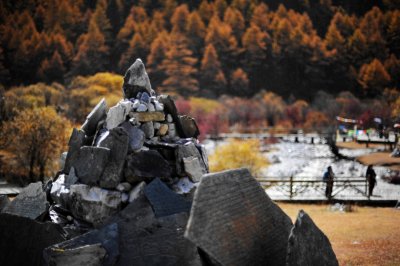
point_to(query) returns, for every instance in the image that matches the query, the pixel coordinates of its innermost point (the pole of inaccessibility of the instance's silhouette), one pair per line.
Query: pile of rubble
(134, 189)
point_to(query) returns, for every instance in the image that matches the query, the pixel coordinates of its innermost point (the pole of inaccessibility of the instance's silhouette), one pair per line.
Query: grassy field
(366, 236)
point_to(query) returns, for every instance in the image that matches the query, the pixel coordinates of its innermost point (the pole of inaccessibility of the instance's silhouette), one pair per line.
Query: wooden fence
(292, 187)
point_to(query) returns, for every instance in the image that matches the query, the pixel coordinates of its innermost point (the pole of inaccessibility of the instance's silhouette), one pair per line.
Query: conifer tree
(137, 49)
(179, 19)
(260, 17)
(205, 11)
(255, 53)
(102, 21)
(195, 31)
(235, 20)
(212, 79)
(53, 69)
(220, 36)
(180, 68)
(239, 83)
(373, 77)
(92, 52)
(157, 55)
(392, 66)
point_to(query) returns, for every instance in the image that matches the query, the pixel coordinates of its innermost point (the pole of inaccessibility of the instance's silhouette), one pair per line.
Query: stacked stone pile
(134, 189)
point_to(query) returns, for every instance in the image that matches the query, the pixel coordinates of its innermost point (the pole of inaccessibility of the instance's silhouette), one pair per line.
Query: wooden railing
(292, 186)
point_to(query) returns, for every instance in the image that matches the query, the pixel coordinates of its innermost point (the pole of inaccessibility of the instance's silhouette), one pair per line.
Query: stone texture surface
(117, 141)
(236, 223)
(148, 129)
(75, 143)
(116, 116)
(140, 166)
(22, 240)
(147, 240)
(90, 164)
(185, 151)
(194, 168)
(308, 245)
(164, 201)
(107, 237)
(30, 203)
(95, 116)
(203, 153)
(136, 136)
(136, 80)
(147, 116)
(189, 127)
(93, 204)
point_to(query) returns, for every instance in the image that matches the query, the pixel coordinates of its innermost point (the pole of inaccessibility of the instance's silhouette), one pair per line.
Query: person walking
(328, 178)
(371, 179)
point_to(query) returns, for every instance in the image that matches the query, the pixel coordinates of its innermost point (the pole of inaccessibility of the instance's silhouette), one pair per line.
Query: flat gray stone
(30, 203)
(203, 153)
(164, 201)
(189, 127)
(148, 129)
(136, 80)
(106, 238)
(146, 165)
(90, 164)
(93, 204)
(308, 245)
(235, 222)
(116, 116)
(187, 150)
(136, 136)
(117, 141)
(194, 168)
(22, 240)
(95, 116)
(76, 141)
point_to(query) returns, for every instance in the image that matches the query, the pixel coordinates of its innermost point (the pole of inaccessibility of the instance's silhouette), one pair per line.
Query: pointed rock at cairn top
(136, 80)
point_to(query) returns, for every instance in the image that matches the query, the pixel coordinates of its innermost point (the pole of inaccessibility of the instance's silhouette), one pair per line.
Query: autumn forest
(232, 64)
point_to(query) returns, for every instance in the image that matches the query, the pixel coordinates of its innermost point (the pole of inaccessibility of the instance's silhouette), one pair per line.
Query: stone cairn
(134, 189)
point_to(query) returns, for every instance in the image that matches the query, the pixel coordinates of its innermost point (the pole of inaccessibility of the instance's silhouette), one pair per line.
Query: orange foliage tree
(35, 137)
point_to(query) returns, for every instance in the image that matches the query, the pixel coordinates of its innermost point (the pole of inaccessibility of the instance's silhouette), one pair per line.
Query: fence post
(291, 187)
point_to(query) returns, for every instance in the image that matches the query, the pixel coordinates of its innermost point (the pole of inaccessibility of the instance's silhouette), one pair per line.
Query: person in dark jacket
(371, 179)
(328, 178)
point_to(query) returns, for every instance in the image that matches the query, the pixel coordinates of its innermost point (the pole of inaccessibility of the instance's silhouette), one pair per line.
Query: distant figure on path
(371, 178)
(328, 178)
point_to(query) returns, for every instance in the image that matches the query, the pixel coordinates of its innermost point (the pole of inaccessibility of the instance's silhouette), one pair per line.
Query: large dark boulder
(235, 223)
(308, 245)
(22, 240)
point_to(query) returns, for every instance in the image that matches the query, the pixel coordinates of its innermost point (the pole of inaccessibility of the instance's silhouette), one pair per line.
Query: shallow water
(309, 161)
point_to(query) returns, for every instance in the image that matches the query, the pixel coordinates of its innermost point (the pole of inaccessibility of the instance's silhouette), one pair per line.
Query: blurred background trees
(220, 47)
